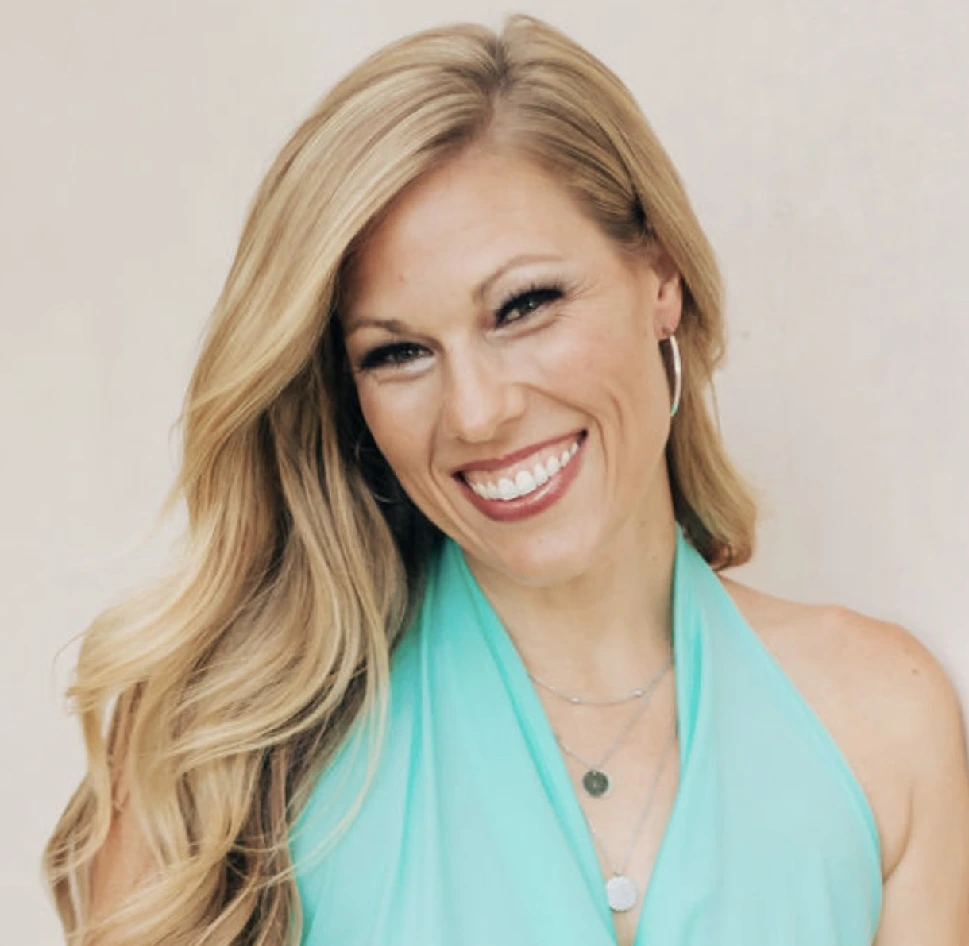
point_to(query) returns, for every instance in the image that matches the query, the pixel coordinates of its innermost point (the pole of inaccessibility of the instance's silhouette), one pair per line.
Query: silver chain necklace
(596, 781)
(581, 701)
(621, 891)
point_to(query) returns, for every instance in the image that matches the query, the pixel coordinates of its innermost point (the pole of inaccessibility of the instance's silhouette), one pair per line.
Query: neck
(603, 632)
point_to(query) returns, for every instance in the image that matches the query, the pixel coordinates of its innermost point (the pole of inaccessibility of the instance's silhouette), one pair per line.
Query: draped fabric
(471, 833)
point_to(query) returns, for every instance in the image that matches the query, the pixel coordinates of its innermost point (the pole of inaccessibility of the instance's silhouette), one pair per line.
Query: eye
(527, 302)
(396, 355)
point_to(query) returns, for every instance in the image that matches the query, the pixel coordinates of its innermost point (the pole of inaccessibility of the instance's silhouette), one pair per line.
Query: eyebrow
(396, 327)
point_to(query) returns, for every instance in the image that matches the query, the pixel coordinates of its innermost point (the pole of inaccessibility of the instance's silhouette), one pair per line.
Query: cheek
(600, 358)
(395, 422)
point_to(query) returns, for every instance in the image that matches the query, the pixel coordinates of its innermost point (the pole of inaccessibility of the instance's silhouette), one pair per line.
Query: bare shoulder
(883, 696)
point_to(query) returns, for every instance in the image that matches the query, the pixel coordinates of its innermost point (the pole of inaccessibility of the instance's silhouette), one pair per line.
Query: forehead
(465, 219)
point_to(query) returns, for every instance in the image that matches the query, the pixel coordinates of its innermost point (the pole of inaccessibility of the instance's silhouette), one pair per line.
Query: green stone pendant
(596, 783)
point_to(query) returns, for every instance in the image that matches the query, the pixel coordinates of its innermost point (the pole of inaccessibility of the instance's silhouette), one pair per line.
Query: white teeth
(506, 489)
(526, 481)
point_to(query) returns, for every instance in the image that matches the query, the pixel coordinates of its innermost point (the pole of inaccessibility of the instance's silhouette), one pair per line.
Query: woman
(449, 658)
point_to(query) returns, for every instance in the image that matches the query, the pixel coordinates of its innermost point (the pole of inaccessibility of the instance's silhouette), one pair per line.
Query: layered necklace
(621, 891)
(595, 781)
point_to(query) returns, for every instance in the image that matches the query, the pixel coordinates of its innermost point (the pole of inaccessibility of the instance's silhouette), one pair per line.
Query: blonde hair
(231, 683)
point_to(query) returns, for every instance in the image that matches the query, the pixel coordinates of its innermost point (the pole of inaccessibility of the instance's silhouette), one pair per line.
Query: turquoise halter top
(471, 833)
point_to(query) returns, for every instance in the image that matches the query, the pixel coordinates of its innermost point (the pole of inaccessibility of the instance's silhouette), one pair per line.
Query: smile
(520, 480)
(528, 484)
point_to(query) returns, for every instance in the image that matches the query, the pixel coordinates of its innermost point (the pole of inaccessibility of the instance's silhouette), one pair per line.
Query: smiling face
(506, 357)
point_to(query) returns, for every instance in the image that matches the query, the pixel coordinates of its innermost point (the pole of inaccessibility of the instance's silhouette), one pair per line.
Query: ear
(665, 286)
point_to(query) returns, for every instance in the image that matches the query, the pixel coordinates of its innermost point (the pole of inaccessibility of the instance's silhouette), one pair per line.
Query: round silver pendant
(622, 893)
(596, 783)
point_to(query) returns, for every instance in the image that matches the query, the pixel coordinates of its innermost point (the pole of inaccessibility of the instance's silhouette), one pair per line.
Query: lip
(536, 501)
(489, 466)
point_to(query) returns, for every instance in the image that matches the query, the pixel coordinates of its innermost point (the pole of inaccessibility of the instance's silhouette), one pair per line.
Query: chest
(623, 764)
(475, 827)
(628, 825)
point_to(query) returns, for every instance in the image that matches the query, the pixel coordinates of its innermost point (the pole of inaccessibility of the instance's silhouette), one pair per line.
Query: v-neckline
(546, 754)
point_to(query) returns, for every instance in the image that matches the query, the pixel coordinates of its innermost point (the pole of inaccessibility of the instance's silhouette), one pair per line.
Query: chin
(541, 561)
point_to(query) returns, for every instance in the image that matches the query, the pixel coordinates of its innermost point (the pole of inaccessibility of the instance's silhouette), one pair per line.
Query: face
(506, 356)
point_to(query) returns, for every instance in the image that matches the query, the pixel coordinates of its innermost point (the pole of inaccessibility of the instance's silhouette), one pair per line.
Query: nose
(480, 397)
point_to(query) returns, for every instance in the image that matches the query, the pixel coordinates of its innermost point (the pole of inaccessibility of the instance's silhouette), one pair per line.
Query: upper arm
(926, 895)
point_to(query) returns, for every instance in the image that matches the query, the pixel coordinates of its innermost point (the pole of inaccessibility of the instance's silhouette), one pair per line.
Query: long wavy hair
(211, 702)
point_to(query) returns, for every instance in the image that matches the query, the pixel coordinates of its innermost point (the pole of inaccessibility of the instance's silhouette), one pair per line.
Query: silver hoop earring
(677, 373)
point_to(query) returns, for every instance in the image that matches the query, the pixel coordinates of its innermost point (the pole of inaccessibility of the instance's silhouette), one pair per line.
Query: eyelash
(400, 353)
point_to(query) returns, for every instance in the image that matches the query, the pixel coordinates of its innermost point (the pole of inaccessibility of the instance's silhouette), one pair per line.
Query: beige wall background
(825, 146)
